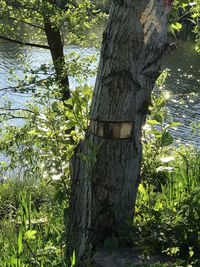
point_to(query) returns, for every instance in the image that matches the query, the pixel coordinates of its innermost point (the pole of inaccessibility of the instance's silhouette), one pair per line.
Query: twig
(24, 43)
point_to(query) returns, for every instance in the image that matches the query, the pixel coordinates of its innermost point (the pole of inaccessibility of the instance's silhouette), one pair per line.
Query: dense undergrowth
(166, 216)
(35, 186)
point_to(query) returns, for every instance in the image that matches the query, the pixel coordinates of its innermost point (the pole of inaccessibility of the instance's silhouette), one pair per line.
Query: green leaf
(158, 117)
(161, 103)
(142, 189)
(19, 242)
(54, 106)
(32, 132)
(176, 26)
(4, 163)
(166, 139)
(30, 235)
(73, 259)
(13, 261)
(69, 114)
(191, 252)
(174, 124)
(157, 133)
(152, 122)
(86, 90)
(69, 101)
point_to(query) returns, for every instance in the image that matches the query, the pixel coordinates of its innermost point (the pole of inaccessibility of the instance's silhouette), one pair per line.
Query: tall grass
(33, 233)
(168, 206)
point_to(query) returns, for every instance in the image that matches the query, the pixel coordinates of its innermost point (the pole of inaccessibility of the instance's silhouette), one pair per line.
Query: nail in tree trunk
(106, 165)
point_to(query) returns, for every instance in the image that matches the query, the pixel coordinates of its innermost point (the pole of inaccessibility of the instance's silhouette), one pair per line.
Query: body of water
(183, 83)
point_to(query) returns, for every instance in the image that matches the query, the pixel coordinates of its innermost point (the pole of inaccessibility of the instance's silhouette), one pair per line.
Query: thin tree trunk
(57, 53)
(54, 40)
(106, 165)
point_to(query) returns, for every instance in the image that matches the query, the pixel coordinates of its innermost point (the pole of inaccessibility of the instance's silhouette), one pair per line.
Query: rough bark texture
(105, 182)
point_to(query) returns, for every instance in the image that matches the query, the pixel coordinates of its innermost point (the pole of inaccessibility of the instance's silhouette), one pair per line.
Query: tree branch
(17, 109)
(24, 43)
(11, 117)
(12, 88)
(25, 22)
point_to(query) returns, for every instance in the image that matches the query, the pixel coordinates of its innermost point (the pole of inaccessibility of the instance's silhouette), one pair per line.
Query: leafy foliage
(75, 18)
(167, 210)
(185, 17)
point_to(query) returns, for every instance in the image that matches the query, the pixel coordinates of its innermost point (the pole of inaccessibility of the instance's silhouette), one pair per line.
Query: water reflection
(184, 65)
(184, 84)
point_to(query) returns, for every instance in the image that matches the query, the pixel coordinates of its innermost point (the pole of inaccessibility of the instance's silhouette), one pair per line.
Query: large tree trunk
(106, 165)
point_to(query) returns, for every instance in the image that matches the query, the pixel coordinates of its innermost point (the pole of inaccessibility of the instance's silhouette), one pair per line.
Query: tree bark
(106, 165)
